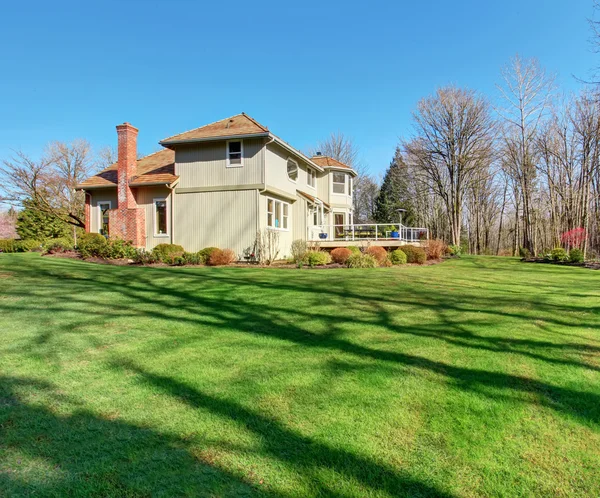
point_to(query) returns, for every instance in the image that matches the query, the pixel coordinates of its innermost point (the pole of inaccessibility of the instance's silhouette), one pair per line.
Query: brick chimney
(127, 221)
(127, 141)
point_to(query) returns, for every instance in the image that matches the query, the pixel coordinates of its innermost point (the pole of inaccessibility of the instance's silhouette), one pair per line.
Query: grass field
(475, 377)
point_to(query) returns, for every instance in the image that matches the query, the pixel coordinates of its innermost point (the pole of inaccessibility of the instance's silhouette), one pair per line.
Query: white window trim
(346, 176)
(154, 220)
(241, 151)
(99, 203)
(267, 214)
(297, 170)
(309, 173)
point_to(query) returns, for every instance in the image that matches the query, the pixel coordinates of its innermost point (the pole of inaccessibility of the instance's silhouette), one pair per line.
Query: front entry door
(338, 219)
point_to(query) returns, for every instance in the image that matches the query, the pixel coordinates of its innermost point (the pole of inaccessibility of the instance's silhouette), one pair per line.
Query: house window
(350, 185)
(235, 152)
(311, 178)
(161, 222)
(277, 214)
(317, 219)
(292, 170)
(103, 222)
(339, 183)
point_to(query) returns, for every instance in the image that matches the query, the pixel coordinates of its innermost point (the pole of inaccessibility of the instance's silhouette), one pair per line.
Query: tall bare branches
(452, 147)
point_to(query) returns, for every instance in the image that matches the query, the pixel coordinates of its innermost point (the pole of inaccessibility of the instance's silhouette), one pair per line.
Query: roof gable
(156, 168)
(238, 125)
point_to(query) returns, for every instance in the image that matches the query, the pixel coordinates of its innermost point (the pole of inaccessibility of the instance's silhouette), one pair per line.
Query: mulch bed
(591, 265)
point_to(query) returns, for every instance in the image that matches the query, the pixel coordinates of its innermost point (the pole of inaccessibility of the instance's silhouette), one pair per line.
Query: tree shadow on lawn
(203, 298)
(82, 454)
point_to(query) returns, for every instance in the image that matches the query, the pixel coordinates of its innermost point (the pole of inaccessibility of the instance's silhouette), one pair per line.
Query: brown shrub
(414, 254)
(221, 257)
(341, 255)
(435, 248)
(379, 253)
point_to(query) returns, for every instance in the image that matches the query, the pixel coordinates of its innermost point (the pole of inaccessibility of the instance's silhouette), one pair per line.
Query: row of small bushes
(560, 255)
(353, 257)
(14, 245)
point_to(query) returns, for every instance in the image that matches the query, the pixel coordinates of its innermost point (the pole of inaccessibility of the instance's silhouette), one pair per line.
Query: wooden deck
(387, 243)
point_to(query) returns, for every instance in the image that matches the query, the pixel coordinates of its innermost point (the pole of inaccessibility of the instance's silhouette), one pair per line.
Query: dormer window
(292, 170)
(235, 152)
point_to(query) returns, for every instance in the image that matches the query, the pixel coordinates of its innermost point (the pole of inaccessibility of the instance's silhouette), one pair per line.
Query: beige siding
(205, 165)
(100, 195)
(145, 198)
(226, 219)
(300, 213)
(285, 236)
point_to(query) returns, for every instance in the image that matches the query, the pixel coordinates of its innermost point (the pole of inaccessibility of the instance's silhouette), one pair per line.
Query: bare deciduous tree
(48, 184)
(453, 144)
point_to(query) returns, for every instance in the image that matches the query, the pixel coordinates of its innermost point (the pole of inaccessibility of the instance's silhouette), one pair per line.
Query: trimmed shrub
(341, 255)
(398, 257)
(576, 255)
(91, 244)
(435, 249)
(7, 245)
(317, 258)
(354, 249)
(167, 253)
(299, 250)
(192, 258)
(414, 254)
(205, 254)
(143, 257)
(379, 253)
(118, 249)
(558, 254)
(361, 261)
(222, 257)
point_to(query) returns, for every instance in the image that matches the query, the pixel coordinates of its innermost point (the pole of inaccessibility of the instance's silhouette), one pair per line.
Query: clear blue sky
(77, 69)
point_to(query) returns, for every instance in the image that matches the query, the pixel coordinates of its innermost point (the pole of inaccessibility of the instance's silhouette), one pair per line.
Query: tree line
(517, 174)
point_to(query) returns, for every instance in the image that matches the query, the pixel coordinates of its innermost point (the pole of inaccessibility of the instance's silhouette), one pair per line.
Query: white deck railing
(366, 231)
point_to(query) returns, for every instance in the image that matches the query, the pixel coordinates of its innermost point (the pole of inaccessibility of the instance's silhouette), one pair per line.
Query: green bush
(354, 249)
(559, 254)
(118, 249)
(317, 258)
(91, 245)
(167, 253)
(12, 245)
(414, 254)
(143, 257)
(576, 255)
(58, 245)
(206, 253)
(361, 261)
(455, 250)
(398, 257)
(192, 258)
(524, 252)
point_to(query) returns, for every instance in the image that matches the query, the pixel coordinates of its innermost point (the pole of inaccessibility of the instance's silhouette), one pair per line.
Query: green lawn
(475, 377)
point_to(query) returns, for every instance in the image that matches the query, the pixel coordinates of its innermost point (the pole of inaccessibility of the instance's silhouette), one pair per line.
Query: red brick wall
(127, 221)
(88, 212)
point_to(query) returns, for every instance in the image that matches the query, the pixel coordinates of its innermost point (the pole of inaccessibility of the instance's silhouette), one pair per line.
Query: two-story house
(218, 185)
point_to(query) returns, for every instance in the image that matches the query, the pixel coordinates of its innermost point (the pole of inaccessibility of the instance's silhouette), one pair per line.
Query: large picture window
(277, 214)
(339, 182)
(235, 153)
(161, 220)
(103, 222)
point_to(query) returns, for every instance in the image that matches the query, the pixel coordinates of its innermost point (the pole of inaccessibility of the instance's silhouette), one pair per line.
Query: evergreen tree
(37, 225)
(394, 195)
